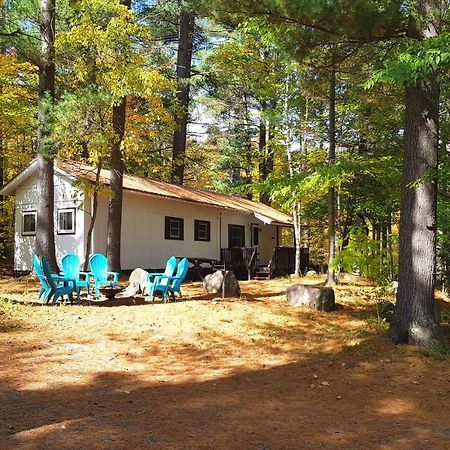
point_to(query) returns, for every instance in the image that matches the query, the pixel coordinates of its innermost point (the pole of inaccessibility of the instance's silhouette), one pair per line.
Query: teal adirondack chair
(60, 286)
(159, 281)
(176, 281)
(46, 290)
(71, 269)
(99, 270)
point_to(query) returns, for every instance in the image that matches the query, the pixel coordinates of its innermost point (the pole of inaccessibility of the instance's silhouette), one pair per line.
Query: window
(28, 223)
(174, 228)
(202, 230)
(236, 236)
(255, 236)
(66, 221)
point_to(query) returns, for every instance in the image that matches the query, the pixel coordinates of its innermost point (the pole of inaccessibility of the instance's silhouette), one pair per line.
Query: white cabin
(158, 219)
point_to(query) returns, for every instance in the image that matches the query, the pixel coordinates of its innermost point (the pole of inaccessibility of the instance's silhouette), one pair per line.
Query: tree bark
(116, 182)
(296, 207)
(45, 223)
(93, 217)
(331, 277)
(415, 321)
(116, 187)
(184, 62)
(263, 172)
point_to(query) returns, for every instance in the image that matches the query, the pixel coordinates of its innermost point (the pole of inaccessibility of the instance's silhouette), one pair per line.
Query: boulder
(349, 278)
(137, 283)
(312, 273)
(214, 281)
(313, 296)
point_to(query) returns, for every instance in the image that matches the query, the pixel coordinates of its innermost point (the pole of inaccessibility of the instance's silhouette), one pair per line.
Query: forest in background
(300, 104)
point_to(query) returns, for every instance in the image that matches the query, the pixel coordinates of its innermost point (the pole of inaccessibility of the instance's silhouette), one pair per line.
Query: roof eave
(11, 187)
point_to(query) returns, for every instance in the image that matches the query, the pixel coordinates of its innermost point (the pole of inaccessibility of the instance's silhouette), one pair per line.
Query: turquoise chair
(158, 281)
(177, 280)
(60, 286)
(71, 269)
(99, 270)
(46, 290)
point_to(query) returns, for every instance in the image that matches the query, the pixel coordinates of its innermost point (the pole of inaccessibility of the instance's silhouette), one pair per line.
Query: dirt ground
(205, 373)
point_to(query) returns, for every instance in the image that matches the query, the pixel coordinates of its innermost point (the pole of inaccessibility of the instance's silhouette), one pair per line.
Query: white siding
(66, 196)
(143, 224)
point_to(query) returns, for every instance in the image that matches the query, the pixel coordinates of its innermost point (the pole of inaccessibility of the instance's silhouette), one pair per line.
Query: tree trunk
(263, 196)
(248, 146)
(116, 186)
(331, 277)
(45, 223)
(116, 182)
(415, 321)
(93, 217)
(297, 214)
(296, 207)
(184, 61)
(392, 275)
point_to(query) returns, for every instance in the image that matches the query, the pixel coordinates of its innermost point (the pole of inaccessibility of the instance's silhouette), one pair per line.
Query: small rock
(312, 386)
(325, 383)
(315, 376)
(338, 397)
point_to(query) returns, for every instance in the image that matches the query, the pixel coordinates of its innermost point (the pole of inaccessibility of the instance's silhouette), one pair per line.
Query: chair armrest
(155, 274)
(62, 279)
(59, 277)
(172, 278)
(115, 276)
(87, 275)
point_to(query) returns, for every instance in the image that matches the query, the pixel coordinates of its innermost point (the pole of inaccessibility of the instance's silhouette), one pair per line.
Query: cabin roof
(147, 186)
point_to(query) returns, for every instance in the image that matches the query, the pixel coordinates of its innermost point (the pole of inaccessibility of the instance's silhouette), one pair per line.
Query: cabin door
(256, 235)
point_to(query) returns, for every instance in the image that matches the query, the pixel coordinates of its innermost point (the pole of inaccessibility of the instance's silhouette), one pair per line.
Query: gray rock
(349, 278)
(311, 273)
(137, 284)
(213, 283)
(313, 296)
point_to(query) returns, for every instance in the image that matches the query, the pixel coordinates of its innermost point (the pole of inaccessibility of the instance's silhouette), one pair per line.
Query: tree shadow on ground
(316, 402)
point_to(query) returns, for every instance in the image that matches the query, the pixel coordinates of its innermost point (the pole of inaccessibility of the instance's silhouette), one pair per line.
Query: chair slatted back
(71, 266)
(182, 269)
(99, 266)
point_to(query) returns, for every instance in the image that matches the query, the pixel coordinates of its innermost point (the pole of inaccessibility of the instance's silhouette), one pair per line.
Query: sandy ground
(248, 373)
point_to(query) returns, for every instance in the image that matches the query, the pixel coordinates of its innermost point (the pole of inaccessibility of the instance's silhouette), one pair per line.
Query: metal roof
(134, 183)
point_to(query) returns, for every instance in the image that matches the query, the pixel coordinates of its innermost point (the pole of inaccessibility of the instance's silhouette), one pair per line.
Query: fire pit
(110, 291)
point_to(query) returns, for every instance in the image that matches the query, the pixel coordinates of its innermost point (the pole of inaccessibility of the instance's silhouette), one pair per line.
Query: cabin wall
(143, 231)
(66, 196)
(143, 225)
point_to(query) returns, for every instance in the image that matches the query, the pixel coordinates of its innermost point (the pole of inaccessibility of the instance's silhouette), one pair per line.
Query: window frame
(241, 228)
(255, 235)
(74, 218)
(167, 228)
(29, 212)
(197, 224)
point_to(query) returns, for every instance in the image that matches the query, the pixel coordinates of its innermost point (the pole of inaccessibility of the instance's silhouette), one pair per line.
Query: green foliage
(413, 60)
(365, 256)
